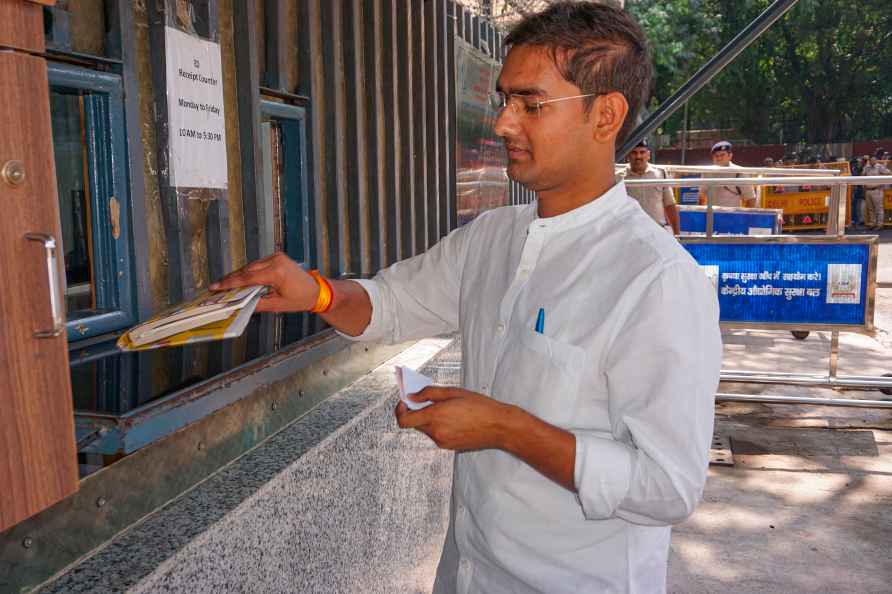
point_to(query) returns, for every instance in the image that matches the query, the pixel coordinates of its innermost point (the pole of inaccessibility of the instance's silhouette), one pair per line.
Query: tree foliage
(823, 73)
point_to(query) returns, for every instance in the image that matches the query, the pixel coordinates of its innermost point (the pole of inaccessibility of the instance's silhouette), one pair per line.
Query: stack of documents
(211, 316)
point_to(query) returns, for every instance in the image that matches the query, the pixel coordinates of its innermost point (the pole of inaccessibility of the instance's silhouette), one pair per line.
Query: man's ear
(608, 114)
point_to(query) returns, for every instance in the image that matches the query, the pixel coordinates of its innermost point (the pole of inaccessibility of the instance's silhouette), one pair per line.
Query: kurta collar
(607, 203)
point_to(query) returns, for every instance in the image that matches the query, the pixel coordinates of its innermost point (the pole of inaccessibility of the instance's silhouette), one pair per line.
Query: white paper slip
(412, 382)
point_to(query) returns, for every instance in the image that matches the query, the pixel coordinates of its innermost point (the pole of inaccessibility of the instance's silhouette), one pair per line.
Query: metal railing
(836, 230)
(836, 223)
(864, 180)
(781, 171)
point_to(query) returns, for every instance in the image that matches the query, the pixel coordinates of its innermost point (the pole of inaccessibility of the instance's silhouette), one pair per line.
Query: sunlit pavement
(807, 506)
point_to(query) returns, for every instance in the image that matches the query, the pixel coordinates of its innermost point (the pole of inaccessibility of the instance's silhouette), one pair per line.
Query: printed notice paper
(197, 128)
(412, 382)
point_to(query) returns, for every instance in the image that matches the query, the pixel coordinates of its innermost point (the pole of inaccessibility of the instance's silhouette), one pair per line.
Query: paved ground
(807, 506)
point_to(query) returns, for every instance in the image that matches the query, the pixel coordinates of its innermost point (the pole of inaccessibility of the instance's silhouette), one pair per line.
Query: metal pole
(834, 354)
(706, 73)
(853, 382)
(837, 225)
(684, 135)
(773, 171)
(767, 181)
(710, 216)
(770, 399)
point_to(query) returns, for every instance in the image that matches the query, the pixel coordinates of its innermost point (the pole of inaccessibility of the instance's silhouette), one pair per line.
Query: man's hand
(459, 419)
(462, 420)
(291, 287)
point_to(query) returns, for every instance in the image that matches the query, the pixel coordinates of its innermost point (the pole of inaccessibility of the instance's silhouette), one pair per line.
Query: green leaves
(823, 73)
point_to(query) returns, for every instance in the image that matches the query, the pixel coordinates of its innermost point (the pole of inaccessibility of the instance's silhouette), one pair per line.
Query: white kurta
(628, 362)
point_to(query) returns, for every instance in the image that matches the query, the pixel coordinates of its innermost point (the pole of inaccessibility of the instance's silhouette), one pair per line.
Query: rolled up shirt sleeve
(662, 370)
(417, 297)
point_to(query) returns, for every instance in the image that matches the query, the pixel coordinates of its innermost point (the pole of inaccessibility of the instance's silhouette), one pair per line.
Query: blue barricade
(800, 282)
(730, 221)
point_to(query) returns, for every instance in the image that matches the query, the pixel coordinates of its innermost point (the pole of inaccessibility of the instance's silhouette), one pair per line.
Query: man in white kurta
(628, 362)
(580, 439)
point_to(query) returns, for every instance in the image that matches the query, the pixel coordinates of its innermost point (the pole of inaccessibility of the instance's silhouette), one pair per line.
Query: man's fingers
(262, 263)
(413, 419)
(245, 278)
(400, 410)
(258, 265)
(259, 272)
(434, 394)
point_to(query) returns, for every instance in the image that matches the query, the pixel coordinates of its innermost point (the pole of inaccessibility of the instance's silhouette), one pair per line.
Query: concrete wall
(365, 511)
(341, 500)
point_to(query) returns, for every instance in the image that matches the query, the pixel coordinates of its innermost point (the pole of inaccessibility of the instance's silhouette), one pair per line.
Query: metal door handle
(49, 244)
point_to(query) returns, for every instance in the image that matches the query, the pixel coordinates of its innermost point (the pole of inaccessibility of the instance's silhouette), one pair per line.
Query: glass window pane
(70, 150)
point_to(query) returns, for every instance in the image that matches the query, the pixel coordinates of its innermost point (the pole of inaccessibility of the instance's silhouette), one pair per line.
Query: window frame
(106, 144)
(298, 240)
(297, 250)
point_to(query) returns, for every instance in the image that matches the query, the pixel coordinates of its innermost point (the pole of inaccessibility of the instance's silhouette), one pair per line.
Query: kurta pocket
(541, 375)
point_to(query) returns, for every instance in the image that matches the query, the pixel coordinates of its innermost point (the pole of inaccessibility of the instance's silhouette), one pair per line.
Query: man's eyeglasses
(526, 104)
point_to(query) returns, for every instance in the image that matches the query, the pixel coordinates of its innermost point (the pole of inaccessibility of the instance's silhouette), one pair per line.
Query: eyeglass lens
(519, 103)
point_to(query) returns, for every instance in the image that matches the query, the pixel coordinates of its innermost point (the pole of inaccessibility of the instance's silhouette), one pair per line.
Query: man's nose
(507, 122)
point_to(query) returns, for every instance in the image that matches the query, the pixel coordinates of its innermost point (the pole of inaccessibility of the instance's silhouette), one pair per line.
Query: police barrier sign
(729, 221)
(797, 282)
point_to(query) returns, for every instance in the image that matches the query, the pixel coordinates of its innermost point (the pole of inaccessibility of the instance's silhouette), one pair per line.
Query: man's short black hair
(597, 47)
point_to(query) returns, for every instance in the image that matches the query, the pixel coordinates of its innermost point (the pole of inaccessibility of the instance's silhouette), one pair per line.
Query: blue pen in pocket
(540, 321)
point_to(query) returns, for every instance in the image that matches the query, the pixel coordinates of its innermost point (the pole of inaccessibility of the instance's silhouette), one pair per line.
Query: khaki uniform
(735, 196)
(873, 195)
(653, 199)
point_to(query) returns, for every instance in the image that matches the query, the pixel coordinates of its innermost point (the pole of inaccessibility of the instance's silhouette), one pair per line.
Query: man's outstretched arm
(293, 289)
(413, 298)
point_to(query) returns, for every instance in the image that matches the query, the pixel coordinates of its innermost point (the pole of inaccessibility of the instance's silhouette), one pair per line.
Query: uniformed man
(731, 195)
(874, 193)
(657, 201)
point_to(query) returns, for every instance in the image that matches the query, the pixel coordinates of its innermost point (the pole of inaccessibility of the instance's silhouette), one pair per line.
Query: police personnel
(657, 201)
(733, 195)
(874, 193)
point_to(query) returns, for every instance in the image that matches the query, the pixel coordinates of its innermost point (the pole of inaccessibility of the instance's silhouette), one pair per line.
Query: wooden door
(38, 458)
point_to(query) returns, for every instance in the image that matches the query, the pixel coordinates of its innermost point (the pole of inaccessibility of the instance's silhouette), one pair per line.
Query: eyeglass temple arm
(567, 98)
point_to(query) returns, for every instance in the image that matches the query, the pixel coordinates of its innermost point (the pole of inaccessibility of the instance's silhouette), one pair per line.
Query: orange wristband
(326, 295)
